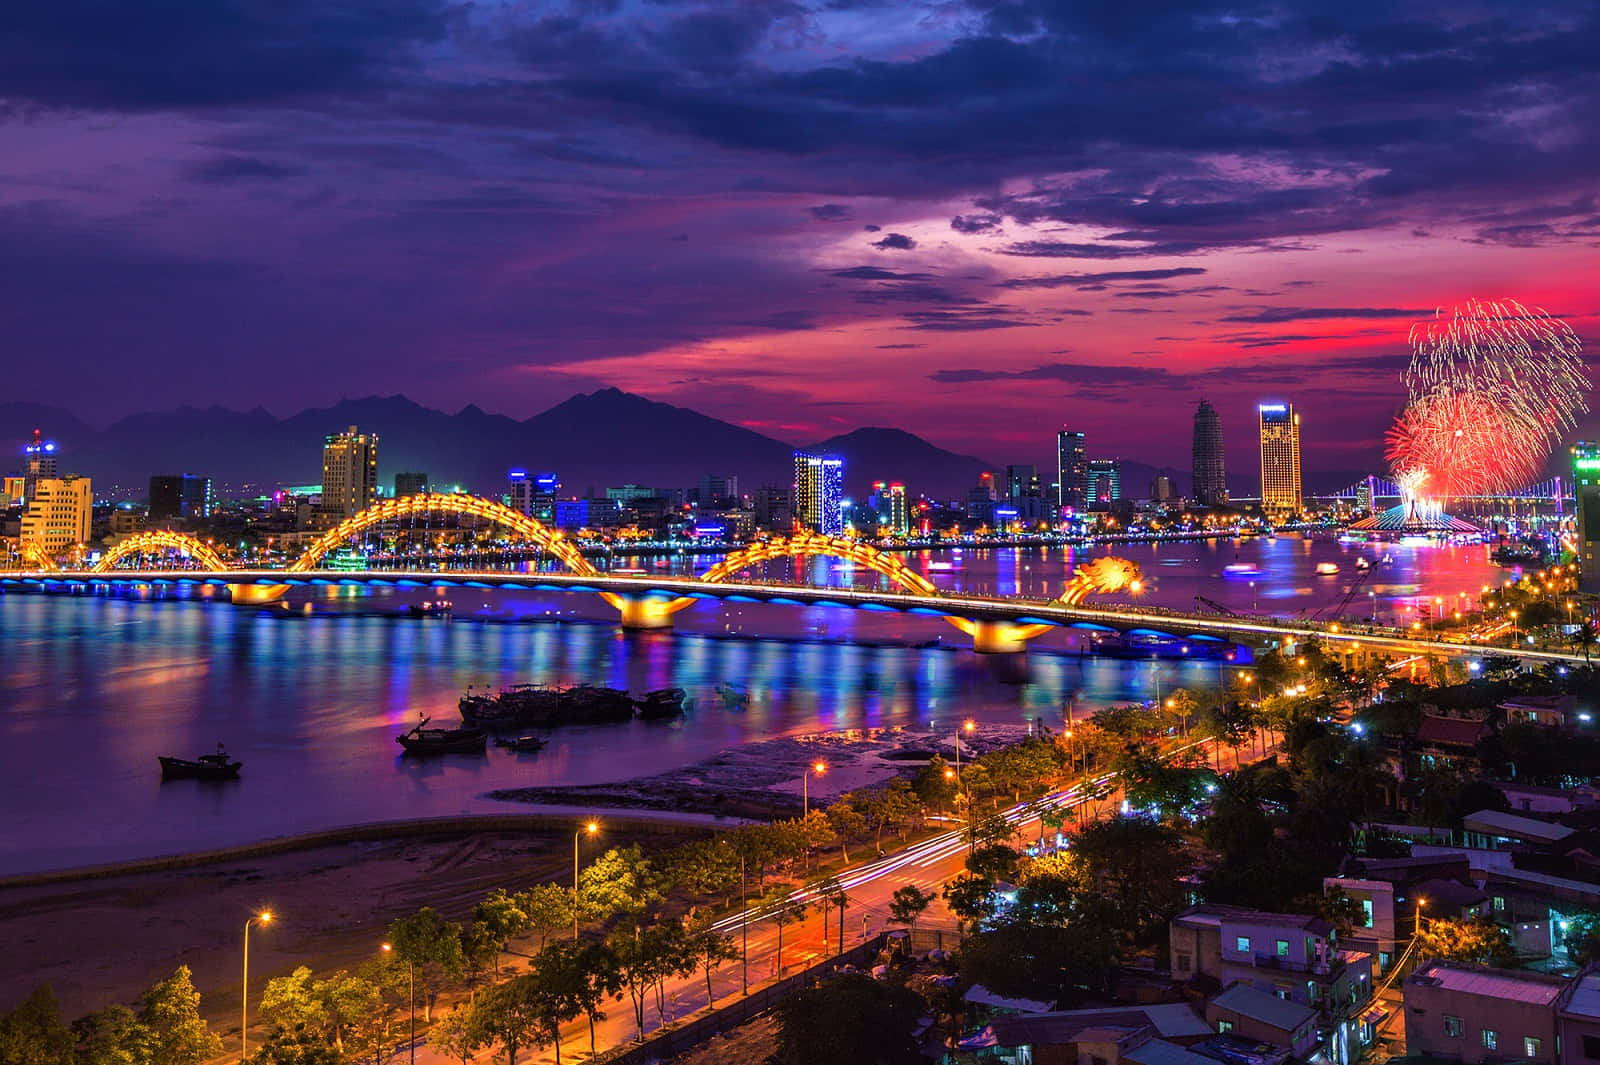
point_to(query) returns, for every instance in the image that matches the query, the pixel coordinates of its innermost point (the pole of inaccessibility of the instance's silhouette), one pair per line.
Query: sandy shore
(107, 939)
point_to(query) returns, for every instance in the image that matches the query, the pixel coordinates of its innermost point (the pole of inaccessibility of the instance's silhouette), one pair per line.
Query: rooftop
(1511, 985)
(1161, 1052)
(1583, 1000)
(1450, 731)
(1214, 914)
(1268, 1009)
(1515, 826)
(1172, 1020)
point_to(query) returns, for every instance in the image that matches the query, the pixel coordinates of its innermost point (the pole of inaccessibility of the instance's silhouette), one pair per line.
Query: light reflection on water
(95, 688)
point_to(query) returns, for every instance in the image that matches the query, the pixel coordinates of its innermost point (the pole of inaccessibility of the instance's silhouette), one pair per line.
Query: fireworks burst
(1493, 387)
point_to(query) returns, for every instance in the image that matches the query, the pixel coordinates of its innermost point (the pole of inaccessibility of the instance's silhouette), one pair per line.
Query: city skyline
(794, 220)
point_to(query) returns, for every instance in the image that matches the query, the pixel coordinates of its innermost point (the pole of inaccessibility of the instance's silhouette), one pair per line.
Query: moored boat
(424, 740)
(520, 744)
(1327, 569)
(663, 703)
(218, 766)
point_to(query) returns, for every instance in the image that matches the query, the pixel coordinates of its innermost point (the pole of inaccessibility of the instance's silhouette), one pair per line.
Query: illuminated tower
(1072, 470)
(819, 492)
(1586, 487)
(41, 463)
(1105, 483)
(349, 472)
(59, 514)
(1210, 482)
(1280, 459)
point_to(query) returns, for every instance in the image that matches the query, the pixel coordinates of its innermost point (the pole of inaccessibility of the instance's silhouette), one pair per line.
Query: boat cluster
(540, 706)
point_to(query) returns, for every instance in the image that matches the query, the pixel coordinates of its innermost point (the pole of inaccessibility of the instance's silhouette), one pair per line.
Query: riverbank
(762, 780)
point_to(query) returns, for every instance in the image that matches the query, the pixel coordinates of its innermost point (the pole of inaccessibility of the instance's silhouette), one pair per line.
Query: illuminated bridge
(996, 624)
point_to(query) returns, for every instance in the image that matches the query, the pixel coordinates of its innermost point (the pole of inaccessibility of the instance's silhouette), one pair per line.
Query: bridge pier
(644, 613)
(1002, 637)
(256, 594)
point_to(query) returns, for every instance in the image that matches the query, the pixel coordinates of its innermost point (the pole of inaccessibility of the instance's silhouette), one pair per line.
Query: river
(310, 698)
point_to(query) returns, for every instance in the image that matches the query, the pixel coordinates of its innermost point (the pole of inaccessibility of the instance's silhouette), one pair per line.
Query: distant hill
(598, 439)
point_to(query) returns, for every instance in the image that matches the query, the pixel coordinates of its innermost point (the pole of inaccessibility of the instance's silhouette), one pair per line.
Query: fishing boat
(424, 740)
(520, 744)
(734, 697)
(218, 766)
(663, 703)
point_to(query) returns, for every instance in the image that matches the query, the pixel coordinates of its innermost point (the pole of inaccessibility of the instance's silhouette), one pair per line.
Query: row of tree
(165, 1029)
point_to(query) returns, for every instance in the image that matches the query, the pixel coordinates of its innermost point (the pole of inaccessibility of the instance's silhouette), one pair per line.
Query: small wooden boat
(663, 703)
(425, 740)
(521, 743)
(217, 766)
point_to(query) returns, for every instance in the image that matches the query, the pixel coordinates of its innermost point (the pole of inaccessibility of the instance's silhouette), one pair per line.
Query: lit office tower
(1586, 487)
(1210, 482)
(41, 463)
(60, 511)
(819, 492)
(1072, 470)
(180, 495)
(889, 504)
(520, 496)
(1105, 483)
(349, 472)
(1280, 459)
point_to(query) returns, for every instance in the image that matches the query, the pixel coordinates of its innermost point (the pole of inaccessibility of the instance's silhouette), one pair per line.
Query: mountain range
(591, 440)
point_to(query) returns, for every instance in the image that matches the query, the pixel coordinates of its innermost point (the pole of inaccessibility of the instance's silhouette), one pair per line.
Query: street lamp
(591, 828)
(966, 726)
(263, 918)
(818, 768)
(411, 993)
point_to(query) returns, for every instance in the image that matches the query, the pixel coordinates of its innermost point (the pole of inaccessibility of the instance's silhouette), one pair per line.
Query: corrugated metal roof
(1270, 1009)
(1504, 824)
(1585, 1000)
(1161, 1052)
(1506, 984)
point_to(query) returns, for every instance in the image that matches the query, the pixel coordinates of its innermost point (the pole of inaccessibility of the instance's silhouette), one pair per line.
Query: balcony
(1322, 971)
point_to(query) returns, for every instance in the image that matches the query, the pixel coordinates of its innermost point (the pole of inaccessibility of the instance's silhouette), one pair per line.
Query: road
(927, 864)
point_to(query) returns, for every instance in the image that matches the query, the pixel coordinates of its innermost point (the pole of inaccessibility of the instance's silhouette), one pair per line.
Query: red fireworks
(1466, 444)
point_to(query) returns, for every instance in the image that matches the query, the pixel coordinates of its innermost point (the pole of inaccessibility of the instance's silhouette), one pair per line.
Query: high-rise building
(520, 497)
(1022, 482)
(41, 463)
(1072, 470)
(179, 495)
(1586, 487)
(1161, 489)
(349, 472)
(15, 490)
(1280, 459)
(1210, 479)
(819, 492)
(716, 489)
(59, 515)
(410, 483)
(890, 508)
(1105, 483)
(774, 508)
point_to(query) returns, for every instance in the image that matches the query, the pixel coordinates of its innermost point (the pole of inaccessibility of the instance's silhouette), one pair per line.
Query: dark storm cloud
(1099, 280)
(895, 242)
(877, 273)
(204, 53)
(976, 223)
(226, 168)
(1300, 314)
(960, 322)
(830, 212)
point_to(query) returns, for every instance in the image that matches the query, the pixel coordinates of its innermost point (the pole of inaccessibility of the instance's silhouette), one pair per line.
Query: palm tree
(1586, 636)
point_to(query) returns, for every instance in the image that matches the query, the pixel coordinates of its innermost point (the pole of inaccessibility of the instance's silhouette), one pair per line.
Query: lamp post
(818, 768)
(591, 828)
(263, 918)
(411, 994)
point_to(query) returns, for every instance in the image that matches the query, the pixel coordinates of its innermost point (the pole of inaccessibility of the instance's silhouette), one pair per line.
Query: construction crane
(1344, 604)
(1216, 606)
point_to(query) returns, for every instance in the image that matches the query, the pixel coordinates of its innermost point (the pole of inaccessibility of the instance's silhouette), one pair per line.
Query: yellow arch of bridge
(34, 555)
(455, 503)
(148, 543)
(815, 544)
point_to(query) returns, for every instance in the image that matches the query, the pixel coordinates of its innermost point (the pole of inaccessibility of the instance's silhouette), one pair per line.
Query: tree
(849, 1018)
(619, 881)
(508, 1016)
(288, 1003)
(1179, 709)
(35, 1034)
(935, 784)
(584, 975)
(503, 918)
(1137, 865)
(347, 1001)
(971, 898)
(433, 947)
(546, 907)
(816, 830)
(1581, 937)
(456, 1035)
(112, 1036)
(295, 1046)
(480, 952)
(1585, 638)
(1045, 962)
(1478, 940)
(1125, 722)
(704, 867)
(907, 904)
(171, 1011)
(829, 892)
(709, 949)
(783, 907)
(644, 956)
(848, 822)
(1053, 888)
(994, 862)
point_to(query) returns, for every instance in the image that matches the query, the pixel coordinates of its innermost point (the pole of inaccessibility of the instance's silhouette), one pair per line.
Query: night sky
(974, 221)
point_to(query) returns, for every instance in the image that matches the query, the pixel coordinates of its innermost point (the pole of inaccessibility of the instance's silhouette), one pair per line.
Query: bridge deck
(1119, 617)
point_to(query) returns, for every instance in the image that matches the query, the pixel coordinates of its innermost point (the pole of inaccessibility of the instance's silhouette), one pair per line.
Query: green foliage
(704, 867)
(848, 822)
(1153, 782)
(1126, 722)
(295, 1046)
(971, 898)
(1136, 865)
(993, 862)
(456, 1035)
(620, 881)
(1051, 963)
(515, 1015)
(171, 1012)
(547, 908)
(849, 1018)
(35, 1034)
(432, 946)
(935, 784)
(287, 1003)
(907, 904)
(1053, 888)
(1582, 938)
(112, 1036)
(1479, 940)
(501, 915)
